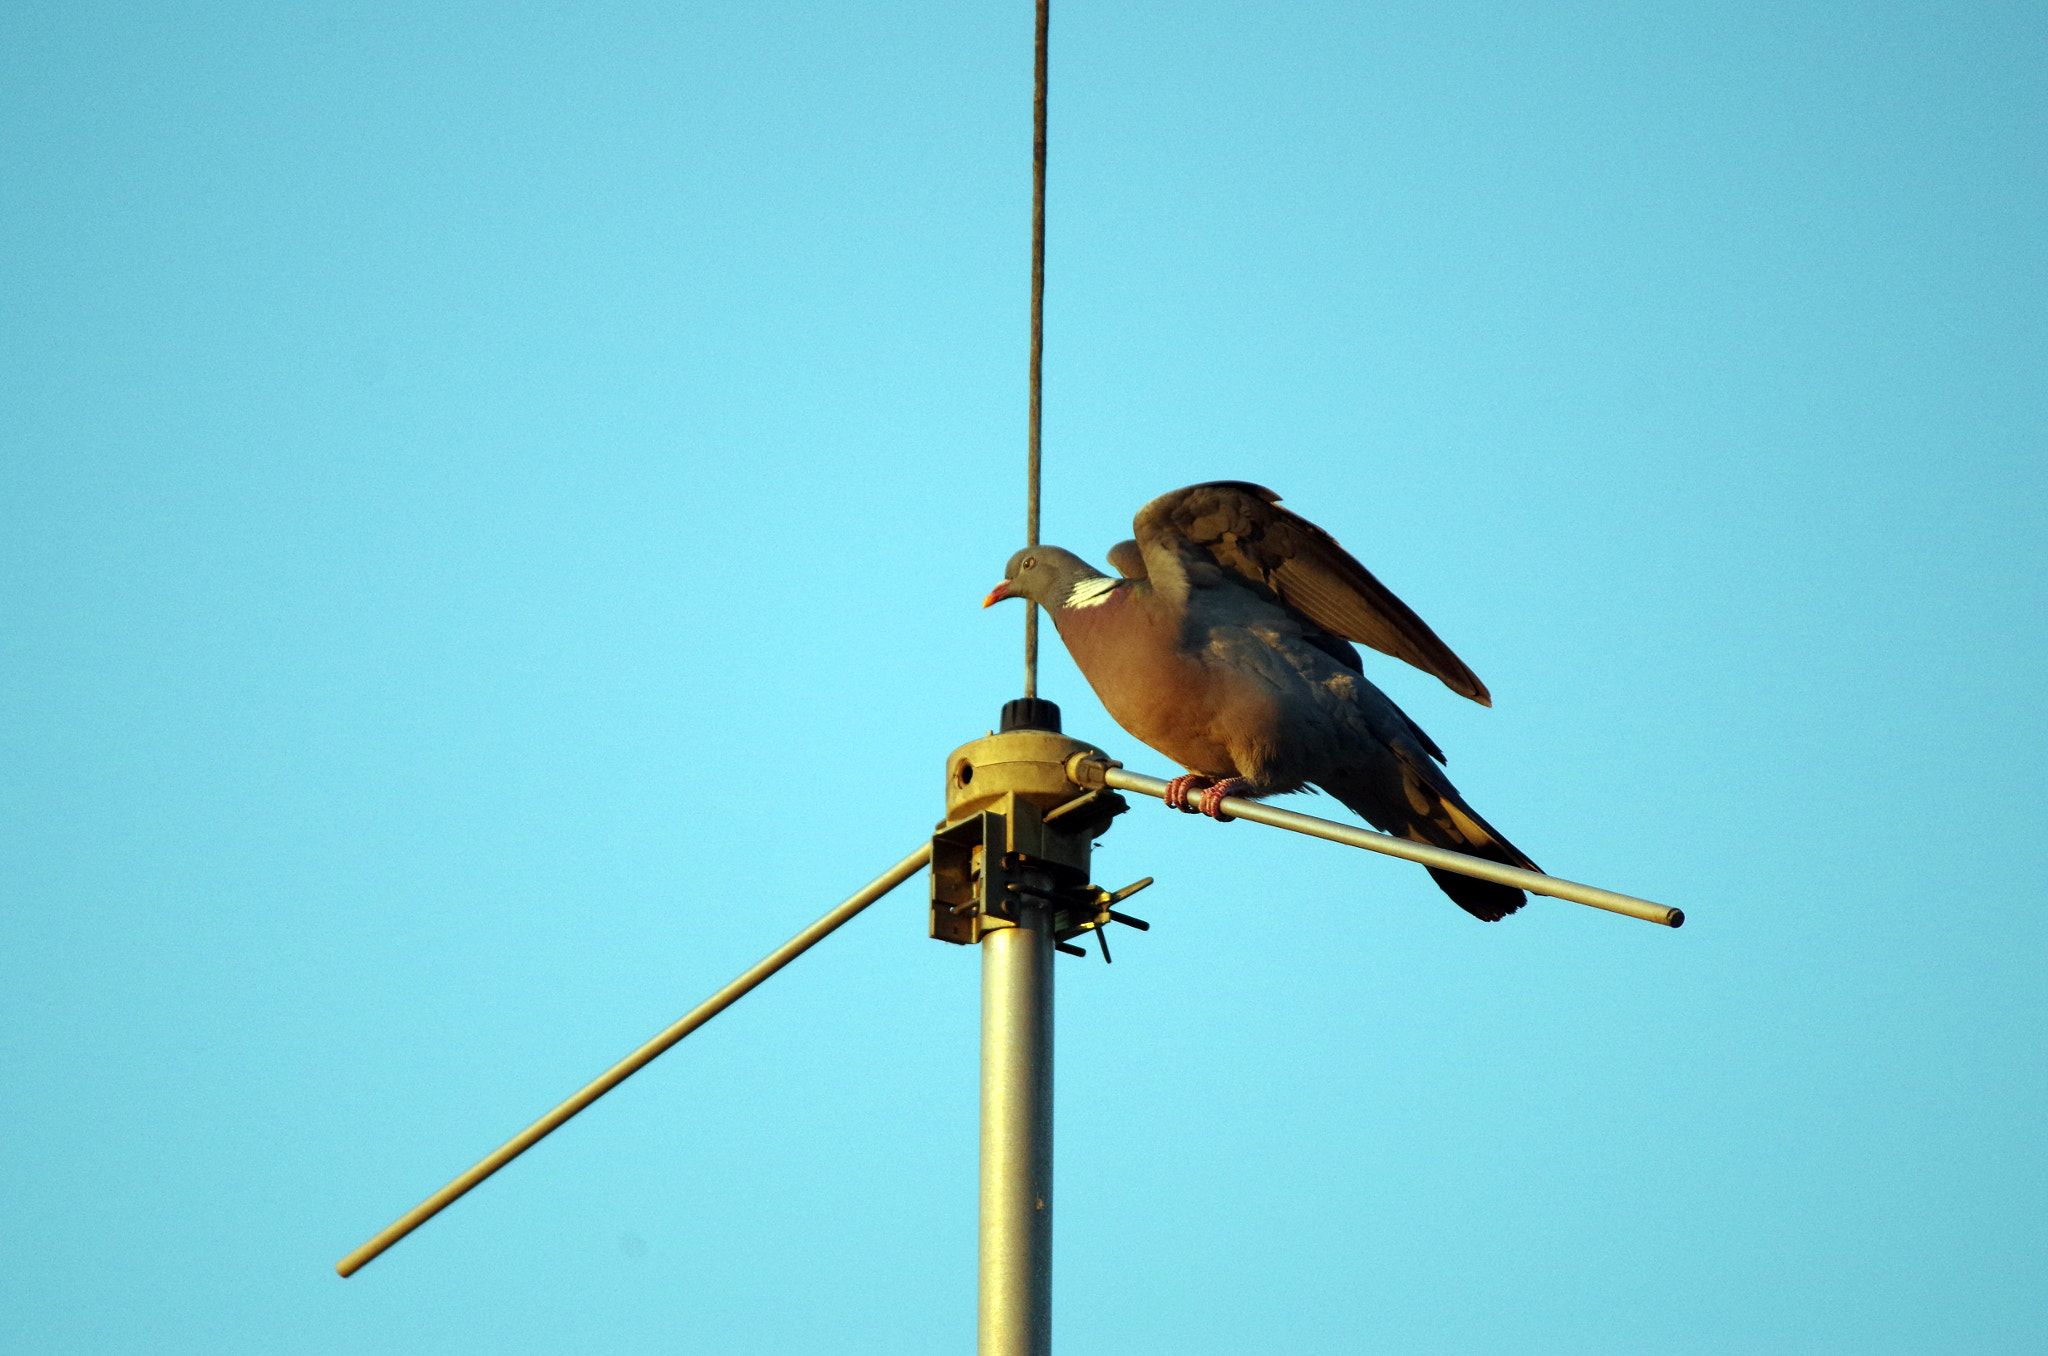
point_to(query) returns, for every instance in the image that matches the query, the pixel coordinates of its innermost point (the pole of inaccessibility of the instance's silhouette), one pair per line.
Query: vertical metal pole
(1015, 1316)
(1036, 383)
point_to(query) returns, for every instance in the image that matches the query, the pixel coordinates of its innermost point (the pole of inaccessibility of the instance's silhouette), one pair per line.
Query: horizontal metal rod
(1442, 858)
(633, 1063)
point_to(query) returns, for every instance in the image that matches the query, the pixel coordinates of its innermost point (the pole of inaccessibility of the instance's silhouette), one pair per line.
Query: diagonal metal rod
(633, 1063)
(1535, 882)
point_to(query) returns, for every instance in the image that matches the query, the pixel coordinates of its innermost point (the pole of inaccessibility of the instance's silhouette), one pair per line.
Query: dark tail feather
(1485, 900)
(1450, 823)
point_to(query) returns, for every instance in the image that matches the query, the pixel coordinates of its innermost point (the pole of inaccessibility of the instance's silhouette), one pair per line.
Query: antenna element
(1037, 335)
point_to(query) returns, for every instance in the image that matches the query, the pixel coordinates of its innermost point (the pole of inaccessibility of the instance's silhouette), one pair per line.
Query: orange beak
(997, 594)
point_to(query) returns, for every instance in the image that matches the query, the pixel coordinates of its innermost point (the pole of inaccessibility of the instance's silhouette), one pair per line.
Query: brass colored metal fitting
(1031, 763)
(1089, 769)
(1017, 835)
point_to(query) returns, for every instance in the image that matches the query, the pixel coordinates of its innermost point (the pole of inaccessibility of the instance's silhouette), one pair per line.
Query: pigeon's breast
(1150, 684)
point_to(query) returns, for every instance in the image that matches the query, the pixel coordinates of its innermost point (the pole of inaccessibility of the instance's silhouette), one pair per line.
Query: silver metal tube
(631, 1064)
(1442, 858)
(1015, 1309)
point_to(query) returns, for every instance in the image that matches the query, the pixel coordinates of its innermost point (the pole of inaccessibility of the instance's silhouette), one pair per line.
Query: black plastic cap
(1030, 713)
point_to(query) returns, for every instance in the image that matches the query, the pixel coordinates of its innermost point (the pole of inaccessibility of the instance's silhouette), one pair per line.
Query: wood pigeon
(1225, 646)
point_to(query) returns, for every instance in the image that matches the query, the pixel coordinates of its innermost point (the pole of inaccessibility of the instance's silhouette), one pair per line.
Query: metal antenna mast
(1013, 1309)
(1010, 868)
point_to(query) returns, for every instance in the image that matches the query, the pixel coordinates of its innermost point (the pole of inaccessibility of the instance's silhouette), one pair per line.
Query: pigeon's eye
(1030, 562)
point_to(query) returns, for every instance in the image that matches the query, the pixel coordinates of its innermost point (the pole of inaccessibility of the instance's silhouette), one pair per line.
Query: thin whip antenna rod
(1037, 334)
(633, 1063)
(1535, 882)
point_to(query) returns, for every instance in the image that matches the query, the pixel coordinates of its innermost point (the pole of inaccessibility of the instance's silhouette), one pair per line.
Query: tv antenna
(1010, 872)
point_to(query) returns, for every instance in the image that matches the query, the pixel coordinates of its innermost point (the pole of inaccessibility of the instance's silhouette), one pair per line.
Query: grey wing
(1242, 530)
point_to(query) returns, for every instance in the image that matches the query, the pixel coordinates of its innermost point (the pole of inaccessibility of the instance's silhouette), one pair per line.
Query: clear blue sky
(493, 500)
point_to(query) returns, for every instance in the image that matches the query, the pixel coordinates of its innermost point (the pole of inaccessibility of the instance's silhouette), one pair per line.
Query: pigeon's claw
(1212, 798)
(1177, 791)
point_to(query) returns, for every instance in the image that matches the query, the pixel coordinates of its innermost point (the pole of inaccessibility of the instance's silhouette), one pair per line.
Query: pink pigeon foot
(1177, 791)
(1212, 798)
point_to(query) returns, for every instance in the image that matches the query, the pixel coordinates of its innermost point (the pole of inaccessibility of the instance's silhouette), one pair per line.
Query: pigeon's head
(1045, 575)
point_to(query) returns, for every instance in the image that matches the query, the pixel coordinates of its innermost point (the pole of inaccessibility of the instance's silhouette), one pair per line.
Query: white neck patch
(1092, 592)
